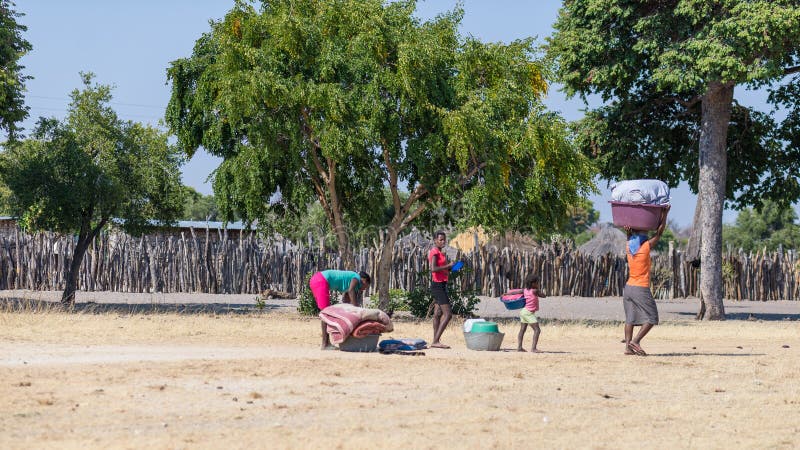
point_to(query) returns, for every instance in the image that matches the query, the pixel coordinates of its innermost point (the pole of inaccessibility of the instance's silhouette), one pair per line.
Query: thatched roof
(607, 240)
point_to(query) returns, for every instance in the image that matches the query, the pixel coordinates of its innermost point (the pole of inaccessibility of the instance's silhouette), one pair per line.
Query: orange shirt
(639, 266)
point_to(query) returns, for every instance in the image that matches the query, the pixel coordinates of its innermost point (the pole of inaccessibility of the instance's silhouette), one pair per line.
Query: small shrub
(306, 305)
(462, 302)
(397, 300)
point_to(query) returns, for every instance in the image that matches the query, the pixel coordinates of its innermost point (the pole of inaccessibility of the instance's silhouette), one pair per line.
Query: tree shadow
(19, 305)
(768, 317)
(676, 354)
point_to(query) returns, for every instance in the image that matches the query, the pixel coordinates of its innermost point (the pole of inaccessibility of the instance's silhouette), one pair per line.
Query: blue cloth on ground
(636, 241)
(402, 344)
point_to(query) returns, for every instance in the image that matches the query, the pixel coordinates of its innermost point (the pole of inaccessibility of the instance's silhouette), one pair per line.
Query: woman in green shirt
(352, 284)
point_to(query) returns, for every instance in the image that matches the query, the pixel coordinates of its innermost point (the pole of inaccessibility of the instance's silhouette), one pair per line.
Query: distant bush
(462, 302)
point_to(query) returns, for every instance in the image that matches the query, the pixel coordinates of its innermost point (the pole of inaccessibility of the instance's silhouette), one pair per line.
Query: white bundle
(653, 192)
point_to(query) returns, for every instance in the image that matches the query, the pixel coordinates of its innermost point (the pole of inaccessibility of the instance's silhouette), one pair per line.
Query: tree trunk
(385, 267)
(716, 113)
(68, 297)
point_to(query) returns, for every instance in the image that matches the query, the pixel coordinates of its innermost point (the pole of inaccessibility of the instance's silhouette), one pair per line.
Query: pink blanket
(343, 318)
(368, 327)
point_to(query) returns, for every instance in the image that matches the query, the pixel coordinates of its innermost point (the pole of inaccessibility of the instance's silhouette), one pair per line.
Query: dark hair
(365, 276)
(530, 279)
(439, 233)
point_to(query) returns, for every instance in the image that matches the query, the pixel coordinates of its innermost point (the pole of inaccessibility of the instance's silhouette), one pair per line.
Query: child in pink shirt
(528, 314)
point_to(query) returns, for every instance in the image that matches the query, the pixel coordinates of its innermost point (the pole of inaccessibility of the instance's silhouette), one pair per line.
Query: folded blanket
(640, 191)
(368, 327)
(343, 318)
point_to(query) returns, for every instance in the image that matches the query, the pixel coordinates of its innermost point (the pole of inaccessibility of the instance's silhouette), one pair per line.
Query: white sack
(640, 191)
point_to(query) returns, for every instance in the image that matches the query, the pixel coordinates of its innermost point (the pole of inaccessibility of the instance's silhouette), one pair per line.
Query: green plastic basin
(485, 327)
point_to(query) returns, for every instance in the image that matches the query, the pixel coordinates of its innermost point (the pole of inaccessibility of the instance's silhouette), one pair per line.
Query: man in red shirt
(440, 269)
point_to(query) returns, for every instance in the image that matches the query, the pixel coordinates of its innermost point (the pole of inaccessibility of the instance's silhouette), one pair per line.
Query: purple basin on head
(639, 216)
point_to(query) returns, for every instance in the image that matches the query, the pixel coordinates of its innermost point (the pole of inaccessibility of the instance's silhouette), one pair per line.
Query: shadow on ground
(28, 305)
(753, 316)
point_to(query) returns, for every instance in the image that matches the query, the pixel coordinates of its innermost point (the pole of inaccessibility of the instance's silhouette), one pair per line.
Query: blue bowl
(515, 304)
(457, 266)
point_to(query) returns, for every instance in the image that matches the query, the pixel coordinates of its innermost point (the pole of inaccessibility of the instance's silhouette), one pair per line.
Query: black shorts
(439, 293)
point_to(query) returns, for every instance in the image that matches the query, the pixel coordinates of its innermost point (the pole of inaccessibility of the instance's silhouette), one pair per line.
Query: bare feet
(439, 345)
(520, 349)
(535, 350)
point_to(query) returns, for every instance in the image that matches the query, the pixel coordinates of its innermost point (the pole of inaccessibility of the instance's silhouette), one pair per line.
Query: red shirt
(437, 259)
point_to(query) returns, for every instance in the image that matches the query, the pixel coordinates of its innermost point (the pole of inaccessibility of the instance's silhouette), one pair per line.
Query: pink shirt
(440, 260)
(531, 300)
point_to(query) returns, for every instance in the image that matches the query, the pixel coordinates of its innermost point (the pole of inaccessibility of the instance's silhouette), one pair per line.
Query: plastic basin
(484, 327)
(368, 343)
(638, 216)
(483, 341)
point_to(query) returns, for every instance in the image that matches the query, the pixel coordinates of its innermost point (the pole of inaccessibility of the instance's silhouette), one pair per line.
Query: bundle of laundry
(344, 319)
(652, 192)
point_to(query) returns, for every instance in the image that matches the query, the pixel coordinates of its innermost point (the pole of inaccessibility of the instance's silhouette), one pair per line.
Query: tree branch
(392, 175)
(791, 70)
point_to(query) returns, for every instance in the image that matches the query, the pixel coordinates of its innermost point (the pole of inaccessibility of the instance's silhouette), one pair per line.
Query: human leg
(437, 316)
(445, 319)
(320, 290)
(326, 341)
(521, 335)
(628, 338)
(536, 331)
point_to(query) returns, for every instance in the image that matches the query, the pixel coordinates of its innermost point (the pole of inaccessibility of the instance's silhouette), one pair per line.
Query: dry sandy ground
(259, 381)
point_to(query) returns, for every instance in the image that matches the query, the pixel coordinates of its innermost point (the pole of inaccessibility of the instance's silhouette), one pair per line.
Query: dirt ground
(116, 379)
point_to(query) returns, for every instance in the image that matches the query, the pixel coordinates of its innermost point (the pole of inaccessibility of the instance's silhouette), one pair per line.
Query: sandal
(636, 349)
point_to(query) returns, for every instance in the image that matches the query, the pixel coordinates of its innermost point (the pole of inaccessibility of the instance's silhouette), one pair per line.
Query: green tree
(334, 100)
(769, 226)
(77, 175)
(12, 83)
(667, 71)
(199, 206)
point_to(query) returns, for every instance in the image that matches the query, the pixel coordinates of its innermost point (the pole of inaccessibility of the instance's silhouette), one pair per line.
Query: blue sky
(130, 44)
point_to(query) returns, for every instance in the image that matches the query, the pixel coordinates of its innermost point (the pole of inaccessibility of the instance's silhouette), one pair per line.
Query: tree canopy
(335, 100)
(666, 71)
(12, 82)
(76, 175)
(770, 226)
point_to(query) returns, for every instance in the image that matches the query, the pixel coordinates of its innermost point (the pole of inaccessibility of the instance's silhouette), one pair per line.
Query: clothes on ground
(437, 259)
(527, 316)
(402, 344)
(636, 241)
(640, 191)
(339, 280)
(639, 266)
(343, 318)
(531, 300)
(640, 307)
(439, 293)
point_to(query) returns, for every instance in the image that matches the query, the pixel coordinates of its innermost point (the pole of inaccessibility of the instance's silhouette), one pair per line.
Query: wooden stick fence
(201, 262)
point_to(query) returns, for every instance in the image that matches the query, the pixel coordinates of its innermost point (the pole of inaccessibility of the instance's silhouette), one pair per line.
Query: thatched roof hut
(608, 240)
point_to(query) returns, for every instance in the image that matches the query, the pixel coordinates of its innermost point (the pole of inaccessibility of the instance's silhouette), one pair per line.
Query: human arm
(352, 293)
(539, 293)
(661, 227)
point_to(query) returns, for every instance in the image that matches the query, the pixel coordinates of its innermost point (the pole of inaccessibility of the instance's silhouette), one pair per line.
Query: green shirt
(339, 280)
